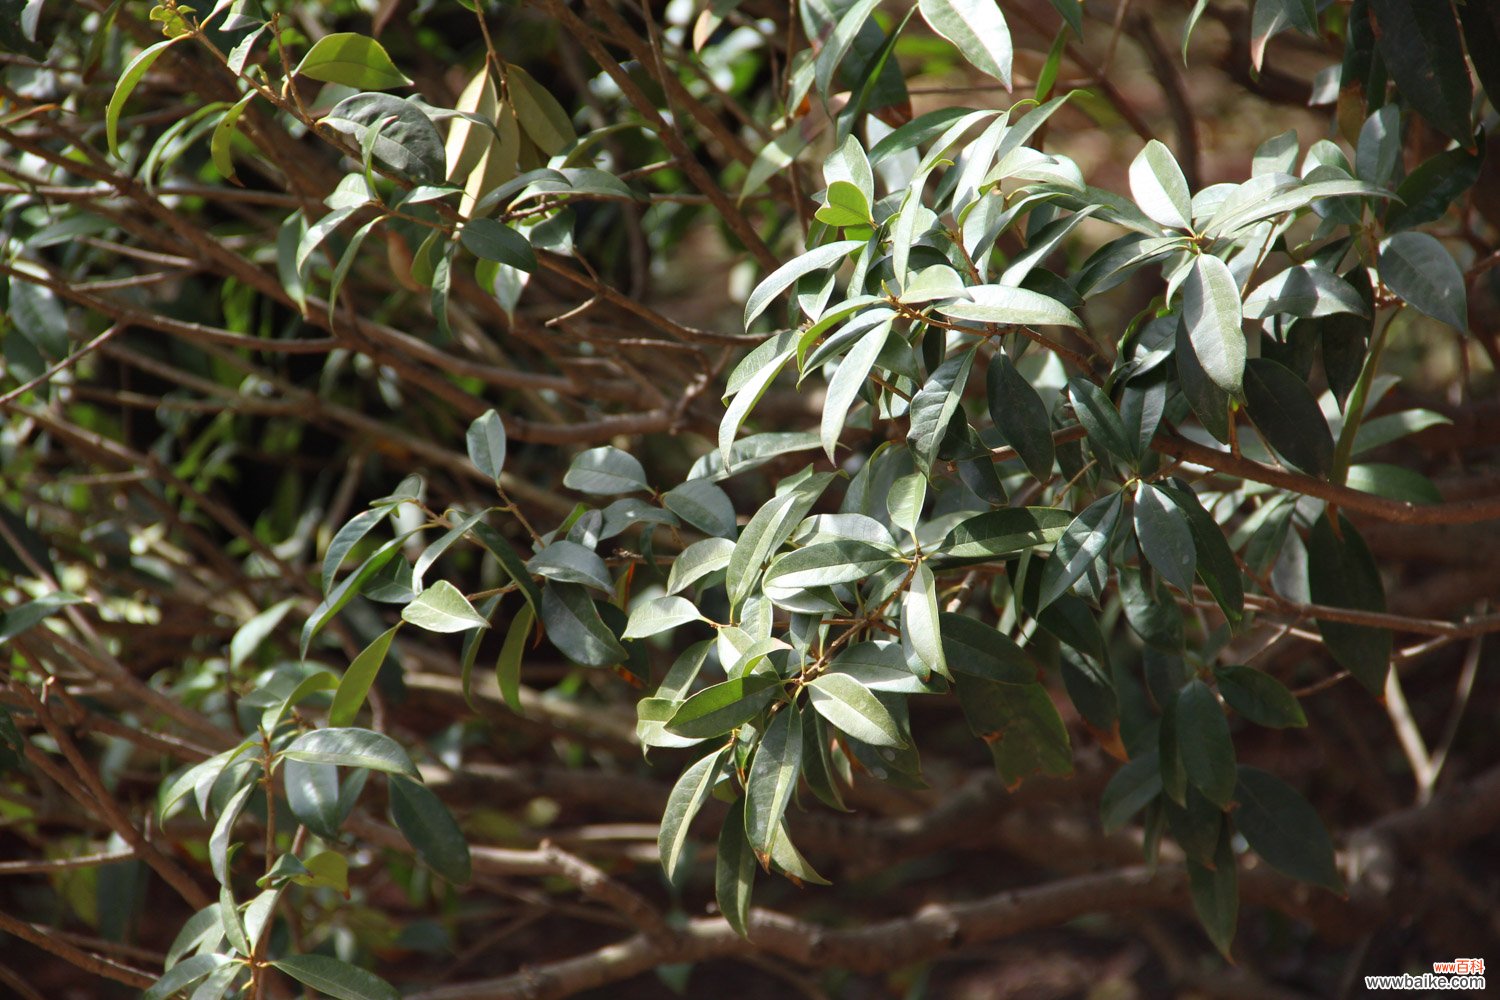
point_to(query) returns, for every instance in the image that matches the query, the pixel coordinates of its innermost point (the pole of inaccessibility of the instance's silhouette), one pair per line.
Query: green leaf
(219, 840)
(356, 682)
(1216, 566)
(880, 666)
(660, 615)
(768, 529)
(573, 624)
(606, 471)
(1216, 893)
(488, 239)
(347, 537)
(1392, 481)
(1203, 741)
(846, 206)
(827, 563)
(850, 24)
(721, 707)
(402, 137)
(1281, 827)
(184, 974)
(1259, 697)
(351, 59)
(1020, 415)
(734, 870)
(219, 143)
(1133, 787)
(1085, 540)
(1165, 537)
(508, 661)
(772, 779)
(1342, 573)
(511, 562)
(1159, 187)
(542, 118)
(921, 632)
(1305, 290)
(1419, 269)
(994, 534)
(130, 76)
(569, 562)
(689, 793)
(335, 978)
(351, 747)
(845, 384)
(24, 616)
(1420, 43)
(1099, 418)
(972, 647)
(1011, 306)
(934, 406)
(312, 793)
(442, 607)
(977, 29)
(486, 445)
(904, 501)
(704, 506)
(1287, 415)
(1020, 725)
(697, 561)
(793, 270)
(1209, 403)
(847, 704)
(1375, 432)
(430, 828)
(1211, 310)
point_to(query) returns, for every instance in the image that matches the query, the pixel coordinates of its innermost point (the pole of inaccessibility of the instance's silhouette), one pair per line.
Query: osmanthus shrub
(990, 507)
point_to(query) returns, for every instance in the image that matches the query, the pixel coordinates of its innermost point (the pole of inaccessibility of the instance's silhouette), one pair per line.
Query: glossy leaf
(573, 624)
(607, 471)
(1342, 573)
(1287, 415)
(845, 702)
(1422, 50)
(312, 793)
(827, 563)
(978, 29)
(1165, 537)
(335, 978)
(492, 240)
(1020, 415)
(1259, 697)
(734, 870)
(660, 614)
(1132, 788)
(772, 780)
(995, 534)
(1282, 828)
(972, 647)
(933, 407)
(352, 747)
(721, 707)
(570, 562)
(704, 506)
(1419, 269)
(1085, 540)
(687, 797)
(130, 76)
(430, 829)
(541, 117)
(1005, 305)
(1204, 742)
(442, 607)
(1216, 894)
(1305, 290)
(352, 59)
(355, 684)
(844, 386)
(1100, 418)
(404, 139)
(1211, 312)
(1159, 187)
(921, 632)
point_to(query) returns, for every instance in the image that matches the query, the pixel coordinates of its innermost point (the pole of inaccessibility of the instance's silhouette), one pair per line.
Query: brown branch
(97, 964)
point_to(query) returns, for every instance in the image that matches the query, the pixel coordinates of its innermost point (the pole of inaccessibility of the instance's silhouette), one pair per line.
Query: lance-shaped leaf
(431, 829)
(335, 978)
(972, 647)
(351, 747)
(1165, 537)
(827, 563)
(767, 530)
(721, 707)
(934, 405)
(995, 534)
(772, 780)
(544, 120)
(697, 561)
(1259, 697)
(1020, 415)
(1204, 743)
(488, 239)
(312, 793)
(184, 974)
(850, 706)
(660, 615)
(1216, 893)
(977, 29)
(904, 501)
(1342, 573)
(1421, 46)
(574, 626)
(688, 795)
(1010, 306)
(734, 869)
(1420, 269)
(355, 684)
(1211, 312)
(788, 274)
(1084, 541)
(442, 607)
(844, 386)
(1282, 828)
(1099, 418)
(1305, 290)
(1020, 725)
(1216, 565)
(1285, 412)
(921, 633)
(1159, 187)
(1134, 786)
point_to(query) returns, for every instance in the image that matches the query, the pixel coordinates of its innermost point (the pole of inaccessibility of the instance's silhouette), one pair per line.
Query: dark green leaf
(1216, 565)
(704, 506)
(977, 29)
(845, 702)
(990, 536)
(1085, 540)
(827, 563)
(1216, 893)
(1011, 306)
(492, 240)
(335, 978)
(356, 681)
(405, 139)
(1203, 741)
(1285, 412)
(1020, 415)
(972, 647)
(1342, 573)
(573, 624)
(1099, 417)
(1159, 188)
(605, 470)
(934, 405)
(734, 870)
(1165, 537)
(511, 562)
(569, 562)
(182, 975)
(1020, 725)
(312, 792)
(486, 444)
(1209, 403)
(430, 828)
(24, 616)
(1420, 43)
(1133, 787)
(1259, 697)
(1211, 313)
(1306, 290)
(1421, 270)
(1426, 193)
(688, 795)
(660, 615)
(1282, 828)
